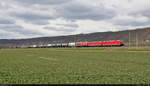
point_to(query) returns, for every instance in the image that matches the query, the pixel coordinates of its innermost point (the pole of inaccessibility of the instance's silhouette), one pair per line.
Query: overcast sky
(38, 18)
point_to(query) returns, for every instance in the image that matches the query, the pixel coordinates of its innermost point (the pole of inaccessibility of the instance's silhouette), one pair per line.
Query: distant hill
(140, 34)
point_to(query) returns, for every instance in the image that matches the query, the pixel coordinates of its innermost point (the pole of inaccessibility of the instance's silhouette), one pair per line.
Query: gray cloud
(60, 29)
(77, 11)
(147, 14)
(47, 2)
(69, 25)
(71, 10)
(33, 17)
(132, 23)
(131, 20)
(38, 22)
(17, 29)
(6, 21)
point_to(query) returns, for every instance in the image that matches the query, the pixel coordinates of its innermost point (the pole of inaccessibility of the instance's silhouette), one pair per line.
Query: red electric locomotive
(112, 43)
(99, 44)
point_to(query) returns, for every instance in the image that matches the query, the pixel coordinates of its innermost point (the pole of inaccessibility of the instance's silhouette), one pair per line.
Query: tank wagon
(116, 43)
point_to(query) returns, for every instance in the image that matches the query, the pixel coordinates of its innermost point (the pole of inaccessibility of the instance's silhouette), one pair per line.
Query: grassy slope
(98, 65)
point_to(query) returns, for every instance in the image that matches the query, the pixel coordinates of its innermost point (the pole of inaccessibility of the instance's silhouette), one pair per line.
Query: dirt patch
(48, 58)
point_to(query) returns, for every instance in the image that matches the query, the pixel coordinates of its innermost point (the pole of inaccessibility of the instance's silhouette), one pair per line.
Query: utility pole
(129, 39)
(136, 40)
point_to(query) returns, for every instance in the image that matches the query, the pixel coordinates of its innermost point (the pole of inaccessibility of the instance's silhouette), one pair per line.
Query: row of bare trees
(7, 46)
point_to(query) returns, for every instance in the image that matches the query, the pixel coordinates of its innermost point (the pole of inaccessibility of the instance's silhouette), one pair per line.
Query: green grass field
(75, 66)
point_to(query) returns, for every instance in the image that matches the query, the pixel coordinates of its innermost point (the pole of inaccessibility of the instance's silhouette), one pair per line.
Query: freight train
(116, 43)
